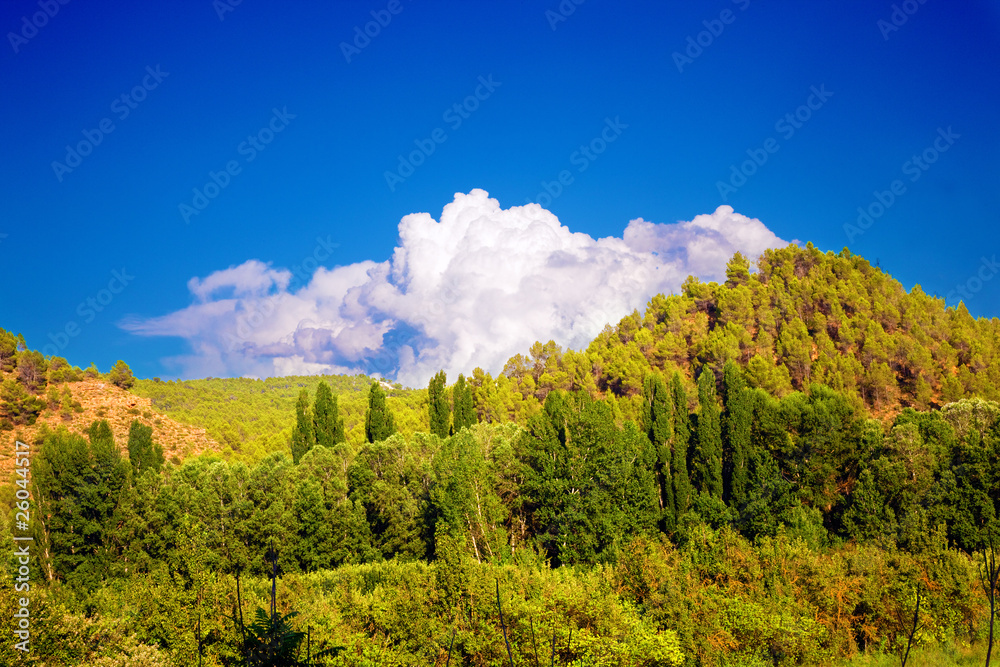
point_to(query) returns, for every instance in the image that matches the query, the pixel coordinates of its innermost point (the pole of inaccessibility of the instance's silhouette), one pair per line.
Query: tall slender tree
(656, 423)
(439, 411)
(327, 423)
(143, 453)
(379, 423)
(679, 444)
(465, 410)
(737, 423)
(303, 436)
(707, 460)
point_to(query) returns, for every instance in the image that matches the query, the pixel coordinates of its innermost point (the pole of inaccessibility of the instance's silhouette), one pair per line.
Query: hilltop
(777, 469)
(96, 399)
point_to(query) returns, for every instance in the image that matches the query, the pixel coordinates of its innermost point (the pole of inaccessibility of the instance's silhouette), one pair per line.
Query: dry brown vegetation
(103, 400)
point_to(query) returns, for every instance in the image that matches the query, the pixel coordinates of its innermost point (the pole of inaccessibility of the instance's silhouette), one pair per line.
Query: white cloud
(472, 289)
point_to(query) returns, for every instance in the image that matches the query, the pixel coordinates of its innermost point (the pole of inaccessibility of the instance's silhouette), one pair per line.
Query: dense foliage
(772, 471)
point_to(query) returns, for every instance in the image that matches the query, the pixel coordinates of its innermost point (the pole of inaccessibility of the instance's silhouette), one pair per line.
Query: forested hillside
(799, 466)
(253, 418)
(801, 317)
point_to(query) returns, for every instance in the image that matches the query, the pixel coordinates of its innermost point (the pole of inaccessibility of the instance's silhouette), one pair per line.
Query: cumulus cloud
(472, 289)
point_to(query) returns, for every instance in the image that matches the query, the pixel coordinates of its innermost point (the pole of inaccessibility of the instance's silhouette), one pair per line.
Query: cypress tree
(379, 423)
(465, 411)
(737, 423)
(327, 424)
(680, 442)
(143, 453)
(707, 459)
(438, 405)
(303, 436)
(656, 423)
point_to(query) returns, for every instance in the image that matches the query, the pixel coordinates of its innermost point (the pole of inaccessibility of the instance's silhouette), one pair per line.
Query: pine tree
(737, 271)
(327, 424)
(120, 375)
(707, 459)
(303, 436)
(680, 442)
(737, 423)
(379, 423)
(465, 411)
(438, 405)
(8, 351)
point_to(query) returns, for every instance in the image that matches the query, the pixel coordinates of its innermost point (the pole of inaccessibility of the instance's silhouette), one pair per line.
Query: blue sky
(540, 87)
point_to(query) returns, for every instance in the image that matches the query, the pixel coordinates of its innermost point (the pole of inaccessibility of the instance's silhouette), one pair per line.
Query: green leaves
(303, 435)
(121, 376)
(328, 426)
(379, 422)
(706, 463)
(438, 408)
(143, 453)
(465, 411)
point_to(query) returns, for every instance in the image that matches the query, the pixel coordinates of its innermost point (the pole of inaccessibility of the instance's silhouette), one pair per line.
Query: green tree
(438, 405)
(327, 423)
(655, 422)
(17, 404)
(466, 500)
(8, 351)
(61, 371)
(143, 453)
(379, 422)
(706, 462)
(737, 271)
(465, 411)
(680, 442)
(392, 478)
(80, 492)
(737, 423)
(868, 517)
(31, 370)
(303, 436)
(100, 432)
(120, 375)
